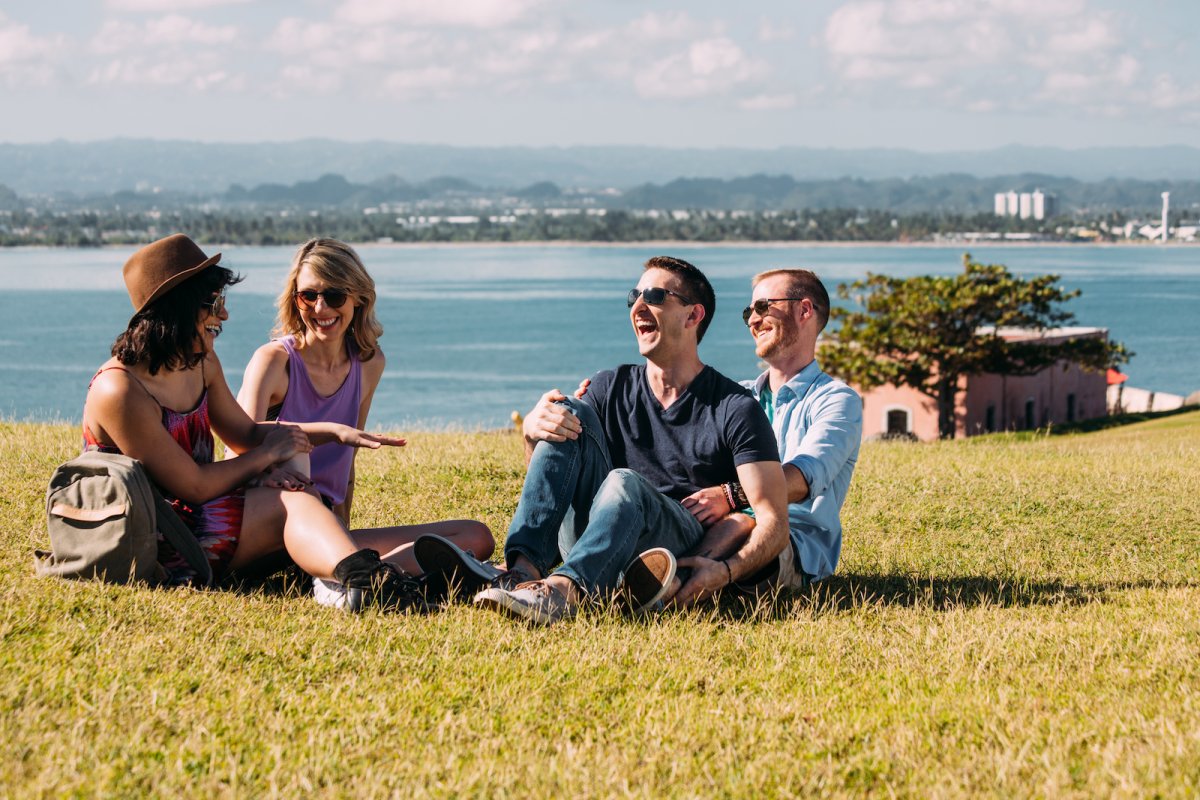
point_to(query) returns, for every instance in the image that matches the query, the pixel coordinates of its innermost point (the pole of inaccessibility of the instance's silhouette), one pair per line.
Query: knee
(623, 484)
(478, 539)
(585, 413)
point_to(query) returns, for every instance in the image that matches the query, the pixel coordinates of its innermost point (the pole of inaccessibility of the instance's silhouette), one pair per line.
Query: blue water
(474, 333)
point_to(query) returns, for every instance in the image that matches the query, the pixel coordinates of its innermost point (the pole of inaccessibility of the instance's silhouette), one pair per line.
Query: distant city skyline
(931, 75)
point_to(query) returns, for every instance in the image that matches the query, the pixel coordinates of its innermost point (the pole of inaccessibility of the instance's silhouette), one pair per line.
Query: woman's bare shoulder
(112, 379)
(373, 368)
(117, 388)
(270, 357)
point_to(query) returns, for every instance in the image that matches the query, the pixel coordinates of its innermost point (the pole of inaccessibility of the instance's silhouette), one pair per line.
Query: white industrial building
(1026, 205)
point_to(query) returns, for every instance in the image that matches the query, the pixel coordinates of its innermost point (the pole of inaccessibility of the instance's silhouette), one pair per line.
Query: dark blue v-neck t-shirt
(698, 442)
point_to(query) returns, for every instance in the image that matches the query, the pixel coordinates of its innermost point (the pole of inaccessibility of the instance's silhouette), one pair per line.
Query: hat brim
(176, 279)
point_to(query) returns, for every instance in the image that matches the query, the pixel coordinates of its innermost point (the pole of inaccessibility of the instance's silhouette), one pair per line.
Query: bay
(473, 333)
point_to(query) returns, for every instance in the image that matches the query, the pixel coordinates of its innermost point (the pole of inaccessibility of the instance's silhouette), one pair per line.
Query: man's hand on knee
(708, 577)
(707, 505)
(550, 421)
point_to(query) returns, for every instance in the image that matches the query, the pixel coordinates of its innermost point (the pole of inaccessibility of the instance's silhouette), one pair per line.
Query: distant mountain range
(108, 166)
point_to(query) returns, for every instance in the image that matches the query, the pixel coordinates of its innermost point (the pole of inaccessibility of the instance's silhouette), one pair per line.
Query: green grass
(1011, 617)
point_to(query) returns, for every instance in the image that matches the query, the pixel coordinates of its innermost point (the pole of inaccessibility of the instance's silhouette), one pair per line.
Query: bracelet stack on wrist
(735, 494)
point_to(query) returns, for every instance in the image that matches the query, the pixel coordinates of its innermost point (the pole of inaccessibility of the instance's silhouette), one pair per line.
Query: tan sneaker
(536, 601)
(646, 581)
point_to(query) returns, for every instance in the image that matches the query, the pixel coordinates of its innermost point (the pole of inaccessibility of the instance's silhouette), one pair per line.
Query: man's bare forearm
(766, 489)
(724, 538)
(797, 486)
(764, 544)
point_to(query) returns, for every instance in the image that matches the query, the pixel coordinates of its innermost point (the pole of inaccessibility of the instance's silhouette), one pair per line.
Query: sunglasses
(334, 298)
(761, 307)
(216, 305)
(654, 296)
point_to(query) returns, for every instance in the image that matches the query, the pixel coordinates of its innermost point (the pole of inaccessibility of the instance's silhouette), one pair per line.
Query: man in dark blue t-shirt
(606, 474)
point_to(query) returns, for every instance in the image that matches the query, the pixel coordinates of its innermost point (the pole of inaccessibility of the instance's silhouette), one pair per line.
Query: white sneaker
(329, 593)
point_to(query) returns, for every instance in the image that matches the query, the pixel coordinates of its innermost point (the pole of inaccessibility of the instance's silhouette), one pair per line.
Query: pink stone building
(1063, 392)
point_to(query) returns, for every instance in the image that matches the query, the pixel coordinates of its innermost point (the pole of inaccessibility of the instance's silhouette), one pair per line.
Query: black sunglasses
(761, 307)
(654, 296)
(334, 298)
(217, 304)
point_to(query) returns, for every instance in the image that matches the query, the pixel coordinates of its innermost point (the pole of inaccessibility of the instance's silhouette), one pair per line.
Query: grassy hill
(1011, 617)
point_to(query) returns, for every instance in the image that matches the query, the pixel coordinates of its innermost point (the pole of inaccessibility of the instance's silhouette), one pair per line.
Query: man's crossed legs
(576, 508)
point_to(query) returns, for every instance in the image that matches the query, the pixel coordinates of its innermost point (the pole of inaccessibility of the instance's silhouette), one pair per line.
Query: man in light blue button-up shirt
(818, 423)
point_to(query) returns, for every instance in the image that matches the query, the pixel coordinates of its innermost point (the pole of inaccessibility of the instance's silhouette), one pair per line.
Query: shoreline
(674, 243)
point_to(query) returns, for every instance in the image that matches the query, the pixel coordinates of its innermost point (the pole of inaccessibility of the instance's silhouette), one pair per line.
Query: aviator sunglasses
(216, 305)
(761, 307)
(334, 298)
(654, 296)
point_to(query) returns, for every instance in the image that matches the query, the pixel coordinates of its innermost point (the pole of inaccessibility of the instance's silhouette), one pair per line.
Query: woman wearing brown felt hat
(161, 397)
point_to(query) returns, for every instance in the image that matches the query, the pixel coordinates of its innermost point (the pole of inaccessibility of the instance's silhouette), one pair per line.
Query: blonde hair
(338, 266)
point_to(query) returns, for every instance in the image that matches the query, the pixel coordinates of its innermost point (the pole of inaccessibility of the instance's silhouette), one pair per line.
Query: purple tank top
(330, 462)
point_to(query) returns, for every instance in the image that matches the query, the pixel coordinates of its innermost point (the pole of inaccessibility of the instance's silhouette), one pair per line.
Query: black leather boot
(354, 573)
(372, 582)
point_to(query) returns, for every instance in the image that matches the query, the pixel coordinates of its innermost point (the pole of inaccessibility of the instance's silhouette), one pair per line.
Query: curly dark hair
(163, 335)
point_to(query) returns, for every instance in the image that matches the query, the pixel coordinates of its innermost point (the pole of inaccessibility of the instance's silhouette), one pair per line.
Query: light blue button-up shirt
(818, 424)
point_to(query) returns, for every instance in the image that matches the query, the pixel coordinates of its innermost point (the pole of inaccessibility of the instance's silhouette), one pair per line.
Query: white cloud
(423, 82)
(656, 26)
(1165, 94)
(659, 54)
(1126, 70)
(994, 54)
(981, 106)
(169, 51)
(198, 74)
(329, 44)
(768, 102)
(168, 32)
(771, 30)
(443, 13)
(168, 6)
(25, 58)
(1094, 35)
(707, 67)
(311, 79)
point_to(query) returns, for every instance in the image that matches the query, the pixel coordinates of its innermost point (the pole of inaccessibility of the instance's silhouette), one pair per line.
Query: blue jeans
(576, 507)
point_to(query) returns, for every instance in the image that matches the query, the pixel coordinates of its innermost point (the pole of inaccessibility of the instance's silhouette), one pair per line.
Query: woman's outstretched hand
(353, 437)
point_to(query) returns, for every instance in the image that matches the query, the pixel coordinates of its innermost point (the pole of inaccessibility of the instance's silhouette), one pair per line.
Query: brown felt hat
(159, 267)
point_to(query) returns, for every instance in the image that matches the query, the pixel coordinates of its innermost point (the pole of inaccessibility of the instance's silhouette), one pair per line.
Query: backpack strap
(182, 539)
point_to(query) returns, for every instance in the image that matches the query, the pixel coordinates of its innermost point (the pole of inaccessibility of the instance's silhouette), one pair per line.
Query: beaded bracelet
(727, 489)
(736, 495)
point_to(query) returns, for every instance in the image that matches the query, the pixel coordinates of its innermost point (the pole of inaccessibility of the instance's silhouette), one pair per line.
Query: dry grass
(1011, 618)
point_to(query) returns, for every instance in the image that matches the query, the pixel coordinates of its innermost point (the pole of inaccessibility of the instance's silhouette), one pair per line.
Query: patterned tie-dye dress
(215, 524)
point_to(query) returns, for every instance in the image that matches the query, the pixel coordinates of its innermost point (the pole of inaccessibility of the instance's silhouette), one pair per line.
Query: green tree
(928, 332)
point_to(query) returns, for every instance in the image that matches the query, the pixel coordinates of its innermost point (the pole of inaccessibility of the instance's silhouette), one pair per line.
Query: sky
(929, 75)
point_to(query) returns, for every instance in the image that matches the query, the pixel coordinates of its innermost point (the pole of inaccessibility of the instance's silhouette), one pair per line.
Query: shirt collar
(798, 385)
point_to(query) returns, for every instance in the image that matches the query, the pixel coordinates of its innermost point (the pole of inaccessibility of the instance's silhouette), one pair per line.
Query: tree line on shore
(97, 228)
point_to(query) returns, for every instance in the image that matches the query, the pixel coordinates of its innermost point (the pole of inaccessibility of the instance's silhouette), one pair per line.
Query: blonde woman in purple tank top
(325, 366)
(161, 398)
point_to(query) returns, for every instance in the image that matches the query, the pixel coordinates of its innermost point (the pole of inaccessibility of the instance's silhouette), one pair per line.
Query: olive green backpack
(104, 515)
